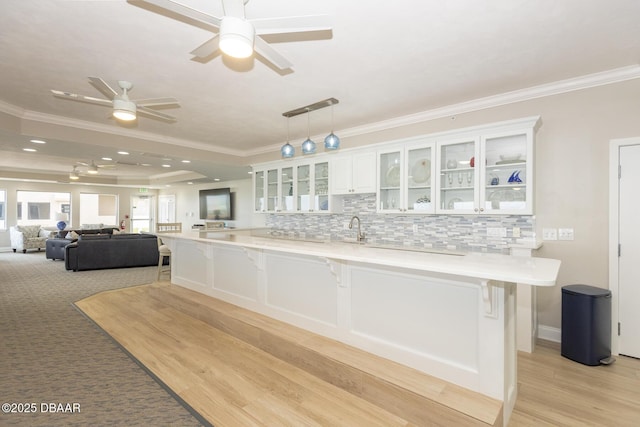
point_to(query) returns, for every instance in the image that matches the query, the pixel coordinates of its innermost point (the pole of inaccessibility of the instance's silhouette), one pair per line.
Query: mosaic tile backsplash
(451, 232)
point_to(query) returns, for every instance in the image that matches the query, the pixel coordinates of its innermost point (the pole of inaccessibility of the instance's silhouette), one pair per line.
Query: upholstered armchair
(25, 237)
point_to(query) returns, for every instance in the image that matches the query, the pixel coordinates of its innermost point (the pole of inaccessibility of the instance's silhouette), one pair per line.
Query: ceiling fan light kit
(236, 37)
(124, 110)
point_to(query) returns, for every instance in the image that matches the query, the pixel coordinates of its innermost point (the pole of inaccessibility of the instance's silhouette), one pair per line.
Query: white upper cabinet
(272, 188)
(491, 173)
(406, 179)
(485, 169)
(312, 187)
(354, 173)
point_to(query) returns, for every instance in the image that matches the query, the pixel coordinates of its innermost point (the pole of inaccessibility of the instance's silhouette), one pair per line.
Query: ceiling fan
(123, 108)
(92, 167)
(237, 36)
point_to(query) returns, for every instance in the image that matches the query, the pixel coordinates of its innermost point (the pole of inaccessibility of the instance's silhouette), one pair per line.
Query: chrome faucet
(360, 233)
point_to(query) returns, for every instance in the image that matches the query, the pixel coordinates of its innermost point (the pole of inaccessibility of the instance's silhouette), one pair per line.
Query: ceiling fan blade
(207, 48)
(292, 24)
(144, 111)
(81, 98)
(179, 12)
(270, 54)
(157, 102)
(104, 88)
(233, 8)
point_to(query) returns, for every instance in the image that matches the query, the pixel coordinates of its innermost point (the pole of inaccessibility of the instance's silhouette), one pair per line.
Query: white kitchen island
(450, 316)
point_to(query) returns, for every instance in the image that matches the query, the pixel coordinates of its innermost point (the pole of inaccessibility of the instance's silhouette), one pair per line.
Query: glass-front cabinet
(312, 187)
(405, 179)
(506, 183)
(299, 187)
(488, 174)
(457, 175)
(258, 191)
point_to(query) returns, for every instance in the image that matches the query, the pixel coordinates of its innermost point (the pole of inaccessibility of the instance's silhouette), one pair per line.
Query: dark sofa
(99, 251)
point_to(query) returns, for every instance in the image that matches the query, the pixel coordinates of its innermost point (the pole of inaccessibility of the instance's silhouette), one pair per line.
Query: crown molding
(541, 91)
(562, 86)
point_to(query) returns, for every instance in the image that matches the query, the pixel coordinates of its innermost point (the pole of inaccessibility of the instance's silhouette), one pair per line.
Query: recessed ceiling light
(38, 141)
(190, 183)
(250, 173)
(31, 150)
(166, 166)
(216, 179)
(124, 153)
(145, 164)
(186, 161)
(108, 159)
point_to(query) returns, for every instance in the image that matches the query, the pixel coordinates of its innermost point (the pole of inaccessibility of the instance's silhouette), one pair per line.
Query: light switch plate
(549, 234)
(565, 233)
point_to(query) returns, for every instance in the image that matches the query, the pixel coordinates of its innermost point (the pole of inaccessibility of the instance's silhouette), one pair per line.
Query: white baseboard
(548, 333)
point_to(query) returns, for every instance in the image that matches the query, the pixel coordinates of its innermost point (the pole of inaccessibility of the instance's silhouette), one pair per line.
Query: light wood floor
(232, 383)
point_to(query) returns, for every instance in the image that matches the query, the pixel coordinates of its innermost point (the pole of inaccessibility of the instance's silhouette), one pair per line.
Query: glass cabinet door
(389, 174)
(303, 188)
(458, 176)
(272, 190)
(419, 197)
(258, 203)
(286, 189)
(321, 186)
(505, 181)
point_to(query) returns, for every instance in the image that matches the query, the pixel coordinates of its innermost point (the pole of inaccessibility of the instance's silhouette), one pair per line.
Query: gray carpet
(51, 353)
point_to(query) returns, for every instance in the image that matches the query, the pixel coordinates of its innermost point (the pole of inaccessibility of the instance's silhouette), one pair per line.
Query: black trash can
(586, 324)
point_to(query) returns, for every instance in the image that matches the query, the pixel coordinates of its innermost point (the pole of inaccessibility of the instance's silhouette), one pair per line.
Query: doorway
(624, 247)
(142, 208)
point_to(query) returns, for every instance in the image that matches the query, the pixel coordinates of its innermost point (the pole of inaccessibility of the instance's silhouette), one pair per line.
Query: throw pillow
(73, 235)
(116, 231)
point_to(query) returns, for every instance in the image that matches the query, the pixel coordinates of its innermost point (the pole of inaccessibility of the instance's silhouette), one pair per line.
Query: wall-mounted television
(216, 204)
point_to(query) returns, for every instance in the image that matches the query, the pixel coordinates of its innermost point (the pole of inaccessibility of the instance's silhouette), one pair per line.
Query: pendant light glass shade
(331, 142)
(308, 146)
(287, 149)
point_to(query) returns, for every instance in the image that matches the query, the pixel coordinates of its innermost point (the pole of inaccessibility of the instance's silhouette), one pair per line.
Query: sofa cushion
(94, 236)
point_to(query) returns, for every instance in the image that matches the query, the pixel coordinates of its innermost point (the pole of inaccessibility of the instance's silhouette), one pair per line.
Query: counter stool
(163, 252)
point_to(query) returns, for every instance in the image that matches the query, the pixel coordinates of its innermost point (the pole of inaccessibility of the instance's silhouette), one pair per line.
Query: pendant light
(287, 149)
(331, 142)
(308, 146)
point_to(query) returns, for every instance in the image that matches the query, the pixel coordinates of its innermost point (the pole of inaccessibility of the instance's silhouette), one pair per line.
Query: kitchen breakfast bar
(449, 315)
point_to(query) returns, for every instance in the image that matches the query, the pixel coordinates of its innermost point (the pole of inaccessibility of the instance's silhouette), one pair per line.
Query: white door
(142, 214)
(629, 240)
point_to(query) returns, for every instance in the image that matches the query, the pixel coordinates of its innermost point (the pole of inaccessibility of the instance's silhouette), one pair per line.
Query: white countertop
(526, 270)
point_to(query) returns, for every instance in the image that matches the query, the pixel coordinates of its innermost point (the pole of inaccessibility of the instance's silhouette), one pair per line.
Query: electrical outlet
(549, 234)
(565, 233)
(515, 231)
(415, 228)
(345, 226)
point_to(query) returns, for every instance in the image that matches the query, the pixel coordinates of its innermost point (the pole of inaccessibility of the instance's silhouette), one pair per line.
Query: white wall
(188, 208)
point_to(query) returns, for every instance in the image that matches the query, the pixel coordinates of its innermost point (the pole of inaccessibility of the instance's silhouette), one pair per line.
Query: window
(3, 204)
(98, 209)
(42, 207)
